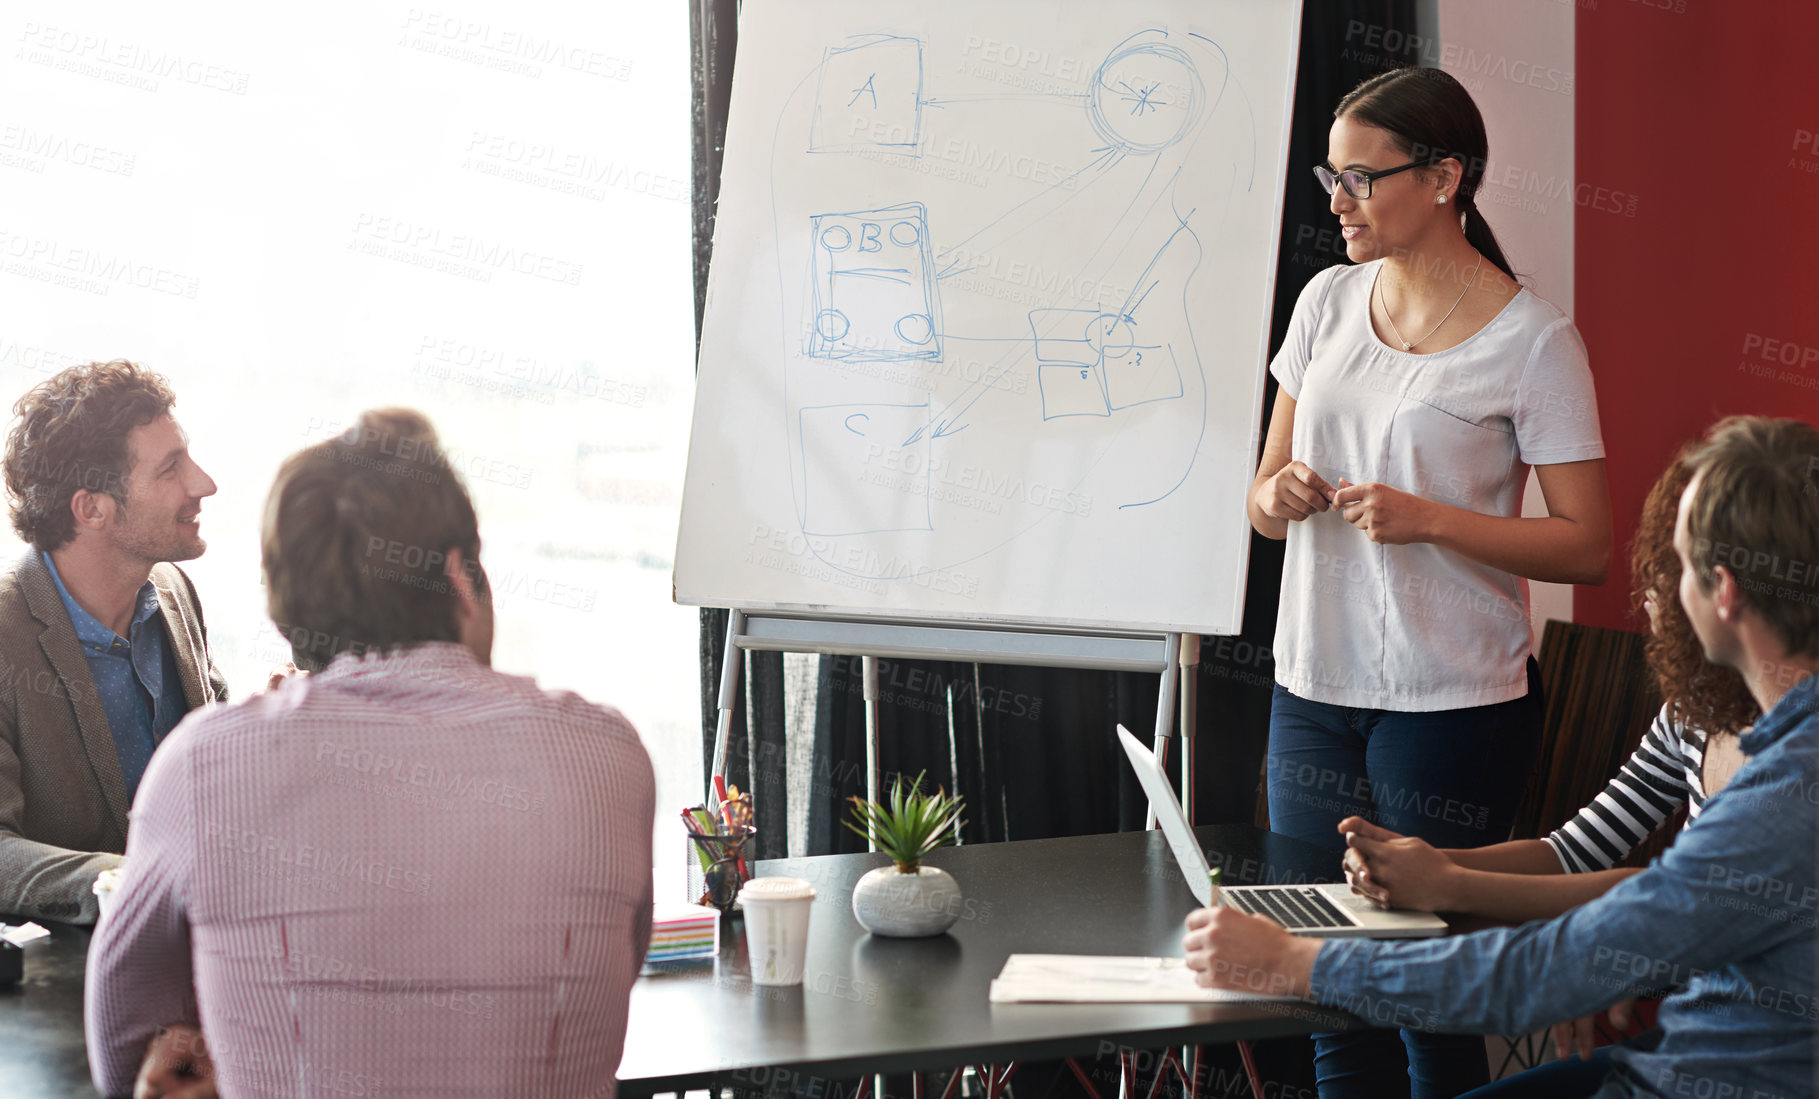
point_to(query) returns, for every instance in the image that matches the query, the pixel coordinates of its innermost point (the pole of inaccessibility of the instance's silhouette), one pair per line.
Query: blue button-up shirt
(136, 676)
(1726, 918)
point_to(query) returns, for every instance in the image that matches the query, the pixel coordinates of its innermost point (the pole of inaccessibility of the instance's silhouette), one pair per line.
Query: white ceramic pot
(887, 901)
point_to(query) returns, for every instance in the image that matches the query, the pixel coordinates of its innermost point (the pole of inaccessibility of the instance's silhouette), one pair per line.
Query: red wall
(1708, 118)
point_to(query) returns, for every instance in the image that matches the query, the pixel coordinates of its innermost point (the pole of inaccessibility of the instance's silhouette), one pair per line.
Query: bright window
(479, 211)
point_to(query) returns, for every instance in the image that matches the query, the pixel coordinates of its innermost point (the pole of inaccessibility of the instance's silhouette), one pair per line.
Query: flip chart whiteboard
(988, 311)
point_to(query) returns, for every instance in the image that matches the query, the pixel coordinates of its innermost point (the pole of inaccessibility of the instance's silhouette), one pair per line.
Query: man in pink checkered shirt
(405, 874)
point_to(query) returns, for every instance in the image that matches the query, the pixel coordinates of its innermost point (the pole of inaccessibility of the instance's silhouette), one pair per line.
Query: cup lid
(776, 889)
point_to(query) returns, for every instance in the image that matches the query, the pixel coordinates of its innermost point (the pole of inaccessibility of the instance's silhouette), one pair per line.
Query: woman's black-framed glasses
(1358, 184)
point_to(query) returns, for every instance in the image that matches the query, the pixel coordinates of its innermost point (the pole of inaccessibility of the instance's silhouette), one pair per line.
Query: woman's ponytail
(1478, 234)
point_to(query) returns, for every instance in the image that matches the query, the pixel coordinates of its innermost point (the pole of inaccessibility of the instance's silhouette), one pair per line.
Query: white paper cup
(106, 883)
(776, 928)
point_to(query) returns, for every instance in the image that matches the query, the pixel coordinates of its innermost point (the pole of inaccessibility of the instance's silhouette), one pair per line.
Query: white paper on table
(21, 933)
(1107, 979)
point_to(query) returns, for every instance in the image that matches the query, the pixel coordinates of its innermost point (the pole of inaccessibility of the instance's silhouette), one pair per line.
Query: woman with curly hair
(1688, 754)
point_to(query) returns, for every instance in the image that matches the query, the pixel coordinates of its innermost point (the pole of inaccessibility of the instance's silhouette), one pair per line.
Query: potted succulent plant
(907, 899)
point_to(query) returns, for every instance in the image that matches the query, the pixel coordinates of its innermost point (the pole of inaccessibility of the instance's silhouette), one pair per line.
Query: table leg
(953, 1082)
(1250, 1069)
(1161, 1074)
(999, 1079)
(1080, 1074)
(1190, 1085)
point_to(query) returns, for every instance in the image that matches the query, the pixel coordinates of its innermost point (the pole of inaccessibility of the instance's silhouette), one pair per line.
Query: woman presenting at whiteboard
(1418, 386)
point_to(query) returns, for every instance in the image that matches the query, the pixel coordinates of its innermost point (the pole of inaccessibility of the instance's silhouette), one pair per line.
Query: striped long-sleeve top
(1665, 772)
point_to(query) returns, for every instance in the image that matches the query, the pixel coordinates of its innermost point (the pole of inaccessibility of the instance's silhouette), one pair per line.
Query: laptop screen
(1168, 814)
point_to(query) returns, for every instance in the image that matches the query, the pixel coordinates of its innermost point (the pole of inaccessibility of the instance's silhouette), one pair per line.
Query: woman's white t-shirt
(1418, 627)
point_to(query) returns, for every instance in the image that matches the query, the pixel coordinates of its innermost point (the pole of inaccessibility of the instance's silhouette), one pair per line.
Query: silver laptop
(1325, 911)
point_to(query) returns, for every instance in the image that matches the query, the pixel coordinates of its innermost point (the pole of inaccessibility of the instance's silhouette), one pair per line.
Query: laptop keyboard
(1293, 908)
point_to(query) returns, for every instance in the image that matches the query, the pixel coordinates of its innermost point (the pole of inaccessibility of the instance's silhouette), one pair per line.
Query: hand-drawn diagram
(1101, 370)
(979, 295)
(858, 475)
(985, 329)
(1147, 95)
(874, 287)
(869, 96)
(875, 275)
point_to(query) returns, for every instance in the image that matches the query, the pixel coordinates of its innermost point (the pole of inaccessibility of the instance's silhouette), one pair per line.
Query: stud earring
(1440, 200)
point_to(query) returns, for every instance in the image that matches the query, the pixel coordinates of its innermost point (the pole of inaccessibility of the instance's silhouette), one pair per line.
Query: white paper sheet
(1107, 979)
(21, 933)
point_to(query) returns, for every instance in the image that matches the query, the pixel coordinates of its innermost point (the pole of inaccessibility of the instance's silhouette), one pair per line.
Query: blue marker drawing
(869, 97)
(1089, 367)
(1070, 360)
(1138, 67)
(1128, 381)
(942, 102)
(857, 477)
(1127, 106)
(1139, 98)
(1066, 336)
(873, 296)
(1090, 363)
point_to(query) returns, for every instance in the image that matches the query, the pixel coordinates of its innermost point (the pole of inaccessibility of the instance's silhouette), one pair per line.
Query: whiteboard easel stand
(1173, 655)
(1188, 662)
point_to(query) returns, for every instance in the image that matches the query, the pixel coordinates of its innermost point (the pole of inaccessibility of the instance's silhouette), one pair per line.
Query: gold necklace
(1409, 345)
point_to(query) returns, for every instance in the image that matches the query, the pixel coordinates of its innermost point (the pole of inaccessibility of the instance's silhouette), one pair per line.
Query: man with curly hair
(102, 643)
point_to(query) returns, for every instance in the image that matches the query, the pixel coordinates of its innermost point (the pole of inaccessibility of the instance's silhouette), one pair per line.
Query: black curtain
(756, 755)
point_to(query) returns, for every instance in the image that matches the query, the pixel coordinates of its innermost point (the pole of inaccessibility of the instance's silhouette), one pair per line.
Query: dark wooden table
(867, 1005)
(873, 1005)
(42, 1052)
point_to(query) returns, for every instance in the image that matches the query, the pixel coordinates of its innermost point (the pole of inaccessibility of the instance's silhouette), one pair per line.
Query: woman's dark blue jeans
(1453, 778)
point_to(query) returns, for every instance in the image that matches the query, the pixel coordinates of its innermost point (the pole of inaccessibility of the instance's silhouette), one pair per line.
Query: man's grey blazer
(62, 796)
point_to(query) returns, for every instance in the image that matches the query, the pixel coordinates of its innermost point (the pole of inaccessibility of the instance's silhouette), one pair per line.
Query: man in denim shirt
(1725, 918)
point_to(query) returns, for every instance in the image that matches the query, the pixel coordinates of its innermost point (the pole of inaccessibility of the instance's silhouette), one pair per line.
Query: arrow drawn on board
(941, 102)
(943, 422)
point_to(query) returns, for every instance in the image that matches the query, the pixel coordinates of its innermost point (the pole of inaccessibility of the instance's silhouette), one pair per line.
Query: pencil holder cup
(718, 867)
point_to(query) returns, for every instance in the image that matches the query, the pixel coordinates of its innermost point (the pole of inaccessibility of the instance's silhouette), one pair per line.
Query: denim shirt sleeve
(1735, 885)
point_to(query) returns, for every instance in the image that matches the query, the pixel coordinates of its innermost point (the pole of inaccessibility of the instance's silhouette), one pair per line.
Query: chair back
(1599, 701)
